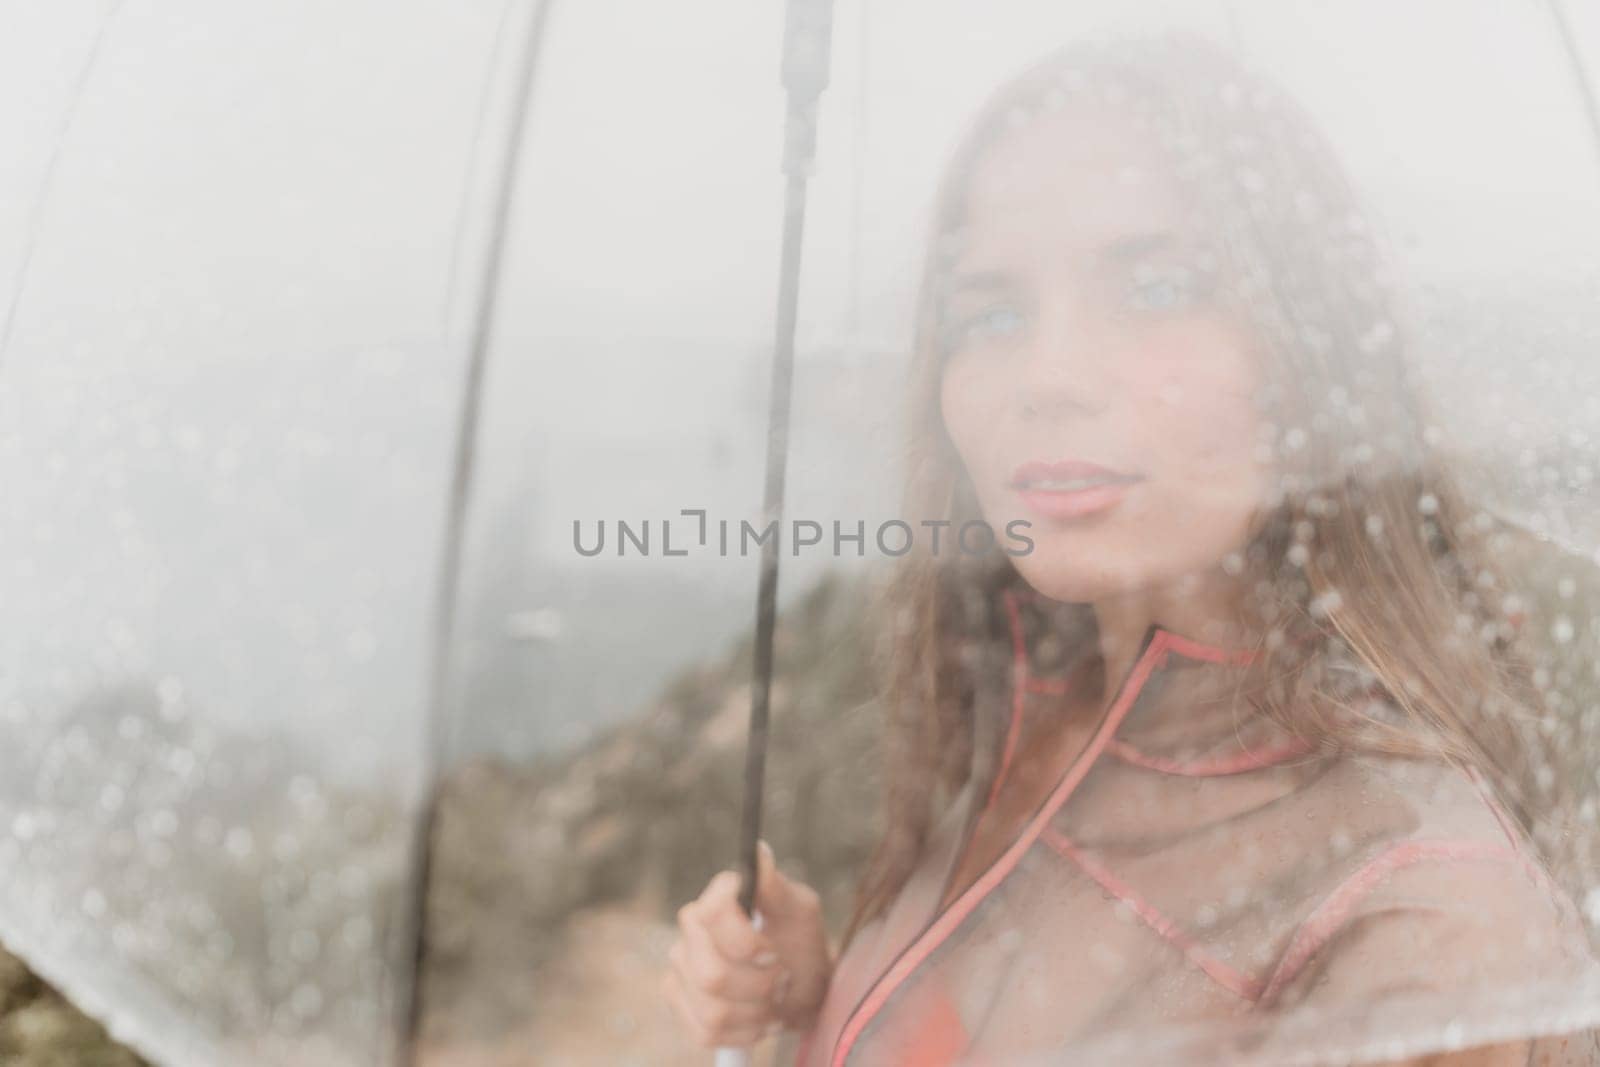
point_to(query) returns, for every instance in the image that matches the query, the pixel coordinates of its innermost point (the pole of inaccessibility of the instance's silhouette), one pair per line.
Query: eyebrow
(1136, 246)
(988, 281)
(1119, 252)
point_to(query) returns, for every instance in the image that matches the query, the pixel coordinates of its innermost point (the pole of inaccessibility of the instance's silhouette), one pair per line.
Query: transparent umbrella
(1186, 644)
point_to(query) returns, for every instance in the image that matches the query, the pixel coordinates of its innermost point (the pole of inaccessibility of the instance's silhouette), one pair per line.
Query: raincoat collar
(1215, 738)
(1171, 641)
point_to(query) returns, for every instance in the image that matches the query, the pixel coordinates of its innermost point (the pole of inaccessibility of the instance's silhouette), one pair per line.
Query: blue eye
(997, 322)
(990, 324)
(1159, 294)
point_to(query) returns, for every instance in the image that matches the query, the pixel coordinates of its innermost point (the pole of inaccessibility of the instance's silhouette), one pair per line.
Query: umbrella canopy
(1077, 266)
(241, 259)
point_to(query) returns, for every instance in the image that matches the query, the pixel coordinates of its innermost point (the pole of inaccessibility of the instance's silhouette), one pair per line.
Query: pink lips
(1069, 488)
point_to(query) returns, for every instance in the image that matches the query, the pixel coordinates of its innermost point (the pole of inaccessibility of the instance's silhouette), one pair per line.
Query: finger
(719, 1014)
(747, 1036)
(719, 913)
(718, 1022)
(708, 969)
(776, 893)
(724, 886)
(672, 989)
(771, 885)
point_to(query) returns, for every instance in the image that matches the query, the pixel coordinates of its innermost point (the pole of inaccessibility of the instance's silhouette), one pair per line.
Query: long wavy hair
(1369, 569)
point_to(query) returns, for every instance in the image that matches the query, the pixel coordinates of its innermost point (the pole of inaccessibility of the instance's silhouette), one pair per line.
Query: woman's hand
(732, 984)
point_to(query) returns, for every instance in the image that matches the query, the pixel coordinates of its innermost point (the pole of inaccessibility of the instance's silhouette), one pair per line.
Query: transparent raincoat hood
(381, 422)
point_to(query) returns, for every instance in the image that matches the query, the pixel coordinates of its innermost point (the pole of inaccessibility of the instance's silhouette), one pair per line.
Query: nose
(1061, 375)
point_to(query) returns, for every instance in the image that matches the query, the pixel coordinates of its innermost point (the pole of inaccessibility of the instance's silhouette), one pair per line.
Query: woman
(1244, 738)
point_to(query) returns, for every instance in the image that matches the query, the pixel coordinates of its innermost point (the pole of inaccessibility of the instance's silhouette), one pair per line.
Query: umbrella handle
(737, 1057)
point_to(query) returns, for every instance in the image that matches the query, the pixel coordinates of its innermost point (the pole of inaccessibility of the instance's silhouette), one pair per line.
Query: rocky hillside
(556, 884)
(39, 1028)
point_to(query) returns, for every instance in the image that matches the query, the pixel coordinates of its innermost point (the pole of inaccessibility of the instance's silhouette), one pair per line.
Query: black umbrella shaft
(794, 215)
(806, 48)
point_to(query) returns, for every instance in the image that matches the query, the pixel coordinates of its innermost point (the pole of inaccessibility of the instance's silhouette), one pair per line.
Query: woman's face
(1093, 383)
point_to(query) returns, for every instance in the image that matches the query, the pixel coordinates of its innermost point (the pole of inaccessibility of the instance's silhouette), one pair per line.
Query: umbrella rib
(1580, 71)
(30, 239)
(449, 573)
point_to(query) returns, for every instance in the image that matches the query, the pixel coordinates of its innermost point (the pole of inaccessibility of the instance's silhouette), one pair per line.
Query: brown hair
(1369, 568)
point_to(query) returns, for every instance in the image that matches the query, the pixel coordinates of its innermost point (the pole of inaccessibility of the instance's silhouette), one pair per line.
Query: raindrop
(353, 880)
(306, 1001)
(170, 693)
(357, 933)
(1562, 630)
(286, 847)
(1108, 958)
(239, 842)
(304, 945)
(536, 624)
(181, 762)
(1377, 337)
(361, 645)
